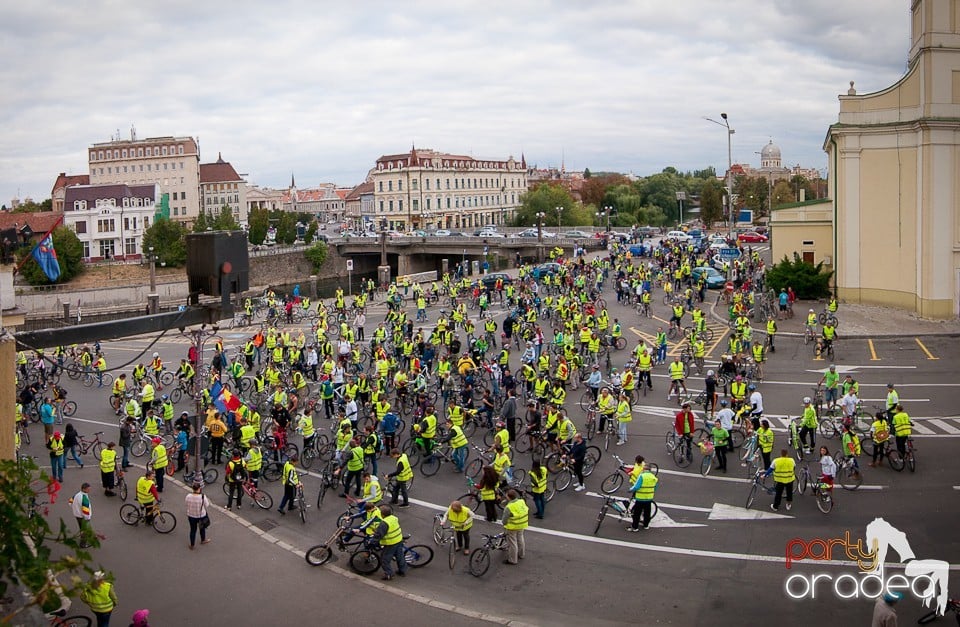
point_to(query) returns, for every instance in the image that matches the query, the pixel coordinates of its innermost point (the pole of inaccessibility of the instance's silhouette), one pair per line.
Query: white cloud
(321, 89)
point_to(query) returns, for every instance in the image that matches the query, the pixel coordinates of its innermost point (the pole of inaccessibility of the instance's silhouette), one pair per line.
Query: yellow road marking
(649, 338)
(873, 352)
(924, 349)
(666, 322)
(719, 339)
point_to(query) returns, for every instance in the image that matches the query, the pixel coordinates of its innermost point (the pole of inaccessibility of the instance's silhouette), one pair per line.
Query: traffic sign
(729, 254)
(350, 265)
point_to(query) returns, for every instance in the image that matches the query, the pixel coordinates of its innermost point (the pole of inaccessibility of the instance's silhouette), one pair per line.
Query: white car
(716, 243)
(680, 236)
(441, 233)
(490, 234)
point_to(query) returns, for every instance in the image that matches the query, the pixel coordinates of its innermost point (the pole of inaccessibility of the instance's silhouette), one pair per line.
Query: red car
(752, 237)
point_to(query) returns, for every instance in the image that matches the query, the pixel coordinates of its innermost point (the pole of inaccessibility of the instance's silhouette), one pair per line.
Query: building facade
(804, 229)
(325, 202)
(264, 198)
(426, 189)
(359, 208)
(173, 163)
(894, 161)
(221, 186)
(64, 181)
(110, 220)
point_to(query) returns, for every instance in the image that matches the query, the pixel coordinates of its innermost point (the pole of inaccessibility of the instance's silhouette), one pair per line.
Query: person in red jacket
(683, 424)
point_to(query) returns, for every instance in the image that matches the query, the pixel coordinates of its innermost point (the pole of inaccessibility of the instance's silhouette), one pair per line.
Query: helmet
(751, 387)
(889, 385)
(156, 440)
(56, 434)
(164, 397)
(155, 355)
(739, 378)
(709, 373)
(501, 424)
(812, 311)
(724, 403)
(806, 400)
(833, 366)
(184, 414)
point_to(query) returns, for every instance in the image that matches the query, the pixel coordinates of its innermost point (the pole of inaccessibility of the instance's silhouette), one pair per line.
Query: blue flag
(46, 258)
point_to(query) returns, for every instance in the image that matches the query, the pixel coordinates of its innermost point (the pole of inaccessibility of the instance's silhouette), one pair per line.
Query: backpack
(238, 473)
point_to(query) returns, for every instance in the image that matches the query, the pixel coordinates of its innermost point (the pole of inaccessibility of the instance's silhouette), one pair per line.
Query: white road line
(690, 508)
(691, 475)
(919, 428)
(943, 425)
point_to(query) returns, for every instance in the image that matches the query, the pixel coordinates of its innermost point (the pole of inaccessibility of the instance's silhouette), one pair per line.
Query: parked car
(545, 269)
(648, 231)
(752, 237)
(680, 236)
(441, 233)
(417, 233)
(458, 234)
(491, 279)
(717, 242)
(714, 279)
(489, 234)
(369, 234)
(532, 232)
(577, 234)
(637, 250)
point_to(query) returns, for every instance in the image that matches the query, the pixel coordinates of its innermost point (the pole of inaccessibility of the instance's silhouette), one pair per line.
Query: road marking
(922, 429)
(873, 352)
(844, 369)
(660, 521)
(721, 511)
(689, 508)
(691, 475)
(647, 338)
(924, 349)
(943, 425)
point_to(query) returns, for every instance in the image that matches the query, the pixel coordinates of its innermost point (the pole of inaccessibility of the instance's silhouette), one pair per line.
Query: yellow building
(804, 229)
(894, 160)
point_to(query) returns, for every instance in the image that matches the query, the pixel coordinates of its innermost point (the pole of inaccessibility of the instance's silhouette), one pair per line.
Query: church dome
(770, 151)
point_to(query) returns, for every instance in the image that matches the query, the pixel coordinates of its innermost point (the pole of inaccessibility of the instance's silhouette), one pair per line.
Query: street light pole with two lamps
(540, 216)
(729, 177)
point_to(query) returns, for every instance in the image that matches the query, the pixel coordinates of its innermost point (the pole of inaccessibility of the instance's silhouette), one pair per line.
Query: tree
(286, 227)
(544, 198)
(660, 190)
(317, 254)
(34, 207)
(69, 251)
(33, 557)
(224, 220)
(594, 188)
(711, 202)
(257, 224)
(169, 241)
(586, 173)
(311, 231)
(783, 194)
(202, 222)
(807, 280)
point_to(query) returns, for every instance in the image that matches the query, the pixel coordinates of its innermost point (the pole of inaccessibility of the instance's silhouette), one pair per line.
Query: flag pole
(45, 236)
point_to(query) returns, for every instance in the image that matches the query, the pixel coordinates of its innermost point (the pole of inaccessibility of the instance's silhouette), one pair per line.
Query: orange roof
(219, 172)
(39, 223)
(65, 180)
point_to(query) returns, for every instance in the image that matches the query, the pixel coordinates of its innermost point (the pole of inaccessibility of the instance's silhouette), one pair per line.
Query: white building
(110, 220)
(220, 186)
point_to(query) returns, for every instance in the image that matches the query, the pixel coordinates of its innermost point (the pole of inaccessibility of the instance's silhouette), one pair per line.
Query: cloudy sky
(321, 89)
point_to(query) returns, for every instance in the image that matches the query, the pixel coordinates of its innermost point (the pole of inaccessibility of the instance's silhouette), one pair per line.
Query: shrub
(807, 280)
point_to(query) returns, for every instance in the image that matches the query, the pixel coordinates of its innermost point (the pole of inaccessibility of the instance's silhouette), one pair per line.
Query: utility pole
(198, 337)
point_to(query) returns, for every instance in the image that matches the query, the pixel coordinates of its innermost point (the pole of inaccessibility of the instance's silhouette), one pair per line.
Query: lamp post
(729, 177)
(608, 210)
(540, 216)
(153, 299)
(681, 196)
(198, 337)
(559, 211)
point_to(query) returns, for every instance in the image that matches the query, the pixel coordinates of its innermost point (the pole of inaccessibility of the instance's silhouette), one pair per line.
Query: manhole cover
(266, 524)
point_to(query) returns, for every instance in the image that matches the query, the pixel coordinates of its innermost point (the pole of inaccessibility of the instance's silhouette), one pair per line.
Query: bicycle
(208, 475)
(614, 480)
(759, 483)
(368, 559)
(328, 480)
(680, 448)
(709, 452)
(953, 605)
(299, 500)
(848, 472)
(480, 558)
(58, 619)
(96, 444)
(557, 461)
(162, 520)
(622, 507)
(822, 491)
(261, 498)
(121, 484)
(827, 316)
(443, 453)
(445, 535)
(320, 554)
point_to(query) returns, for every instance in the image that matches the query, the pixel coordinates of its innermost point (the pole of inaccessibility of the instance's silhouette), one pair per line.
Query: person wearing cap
(808, 425)
(830, 380)
(108, 468)
(158, 461)
(594, 380)
(140, 618)
(58, 455)
(884, 614)
(893, 399)
(101, 598)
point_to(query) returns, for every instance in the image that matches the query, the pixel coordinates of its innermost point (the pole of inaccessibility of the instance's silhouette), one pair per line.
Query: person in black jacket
(578, 453)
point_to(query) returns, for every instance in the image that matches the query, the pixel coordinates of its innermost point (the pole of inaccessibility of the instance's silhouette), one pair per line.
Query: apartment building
(220, 186)
(110, 220)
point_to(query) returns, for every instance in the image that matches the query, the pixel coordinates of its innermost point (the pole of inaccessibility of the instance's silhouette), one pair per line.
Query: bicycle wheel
(591, 425)
(523, 443)
(323, 491)
(175, 395)
(591, 460)
(896, 460)
(553, 463)
(318, 555)
(74, 621)
(430, 466)
(210, 475)
(551, 490)
(911, 461)
(164, 522)
(262, 499)
(802, 483)
(271, 471)
(365, 562)
(138, 448)
(706, 464)
(308, 456)
(474, 468)
(824, 501)
(586, 400)
(680, 457)
(827, 428)
(606, 439)
(600, 517)
(479, 562)
(612, 483)
(440, 533)
(671, 441)
(69, 408)
(122, 490)
(519, 474)
(302, 508)
(753, 495)
(130, 513)
(737, 437)
(850, 478)
(471, 501)
(451, 553)
(418, 555)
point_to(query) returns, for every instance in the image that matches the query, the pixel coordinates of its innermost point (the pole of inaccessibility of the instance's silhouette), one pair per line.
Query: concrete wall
(792, 227)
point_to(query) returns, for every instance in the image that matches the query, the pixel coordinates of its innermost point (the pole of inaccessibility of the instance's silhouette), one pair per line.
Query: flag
(46, 258)
(223, 399)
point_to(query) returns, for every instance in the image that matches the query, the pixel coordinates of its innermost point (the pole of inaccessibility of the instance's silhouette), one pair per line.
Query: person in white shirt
(358, 323)
(337, 375)
(343, 348)
(726, 416)
(849, 404)
(350, 410)
(312, 361)
(756, 406)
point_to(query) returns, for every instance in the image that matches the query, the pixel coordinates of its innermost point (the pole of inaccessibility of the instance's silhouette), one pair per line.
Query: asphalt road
(704, 560)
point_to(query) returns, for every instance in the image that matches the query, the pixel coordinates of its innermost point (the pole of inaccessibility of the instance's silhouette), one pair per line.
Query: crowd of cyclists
(323, 386)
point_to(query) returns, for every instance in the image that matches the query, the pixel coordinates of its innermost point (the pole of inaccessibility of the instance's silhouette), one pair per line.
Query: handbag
(204, 522)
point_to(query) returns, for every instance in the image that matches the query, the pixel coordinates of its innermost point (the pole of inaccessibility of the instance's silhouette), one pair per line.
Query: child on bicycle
(828, 467)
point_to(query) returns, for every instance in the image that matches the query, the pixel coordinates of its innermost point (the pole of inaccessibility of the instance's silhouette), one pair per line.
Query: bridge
(418, 254)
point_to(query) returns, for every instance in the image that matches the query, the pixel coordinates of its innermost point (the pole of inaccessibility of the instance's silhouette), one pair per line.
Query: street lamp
(729, 177)
(559, 211)
(197, 338)
(153, 299)
(681, 196)
(540, 216)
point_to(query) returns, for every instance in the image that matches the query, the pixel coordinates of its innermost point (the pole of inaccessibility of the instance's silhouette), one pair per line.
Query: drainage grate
(266, 524)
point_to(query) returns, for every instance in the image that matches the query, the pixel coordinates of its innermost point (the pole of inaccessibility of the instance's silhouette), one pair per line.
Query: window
(427, 181)
(413, 184)
(381, 187)
(428, 204)
(105, 226)
(448, 202)
(180, 152)
(381, 206)
(86, 250)
(80, 227)
(401, 206)
(400, 185)
(130, 246)
(415, 204)
(390, 206)
(124, 153)
(164, 165)
(176, 211)
(109, 170)
(389, 186)
(107, 248)
(164, 151)
(100, 155)
(146, 222)
(139, 152)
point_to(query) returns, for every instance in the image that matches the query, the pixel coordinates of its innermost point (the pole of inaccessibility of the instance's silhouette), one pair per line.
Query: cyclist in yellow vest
(538, 487)
(390, 535)
(880, 432)
(902, 428)
(765, 440)
(403, 474)
(108, 467)
(677, 377)
(254, 461)
(461, 519)
(372, 493)
(354, 474)
(291, 479)
(516, 517)
(782, 469)
(147, 494)
(624, 416)
(101, 597)
(644, 490)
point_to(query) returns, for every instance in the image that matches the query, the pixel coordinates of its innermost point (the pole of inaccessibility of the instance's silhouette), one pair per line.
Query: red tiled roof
(219, 172)
(39, 223)
(64, 180)
(342, 193)
(359, 190)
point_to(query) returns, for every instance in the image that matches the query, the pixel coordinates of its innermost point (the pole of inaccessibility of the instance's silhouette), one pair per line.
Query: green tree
(660, 190)
(317, 254)
(286, 227)
(783, 194)
(711, 202)
(807, 280)
(202, 222)
(224, 221)
(544, 198)
(586, 173)
(651, 216)
(311, 231)
(34, 207)
(169, 241)
(33, 557)
(257, 224)
(69, 255)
